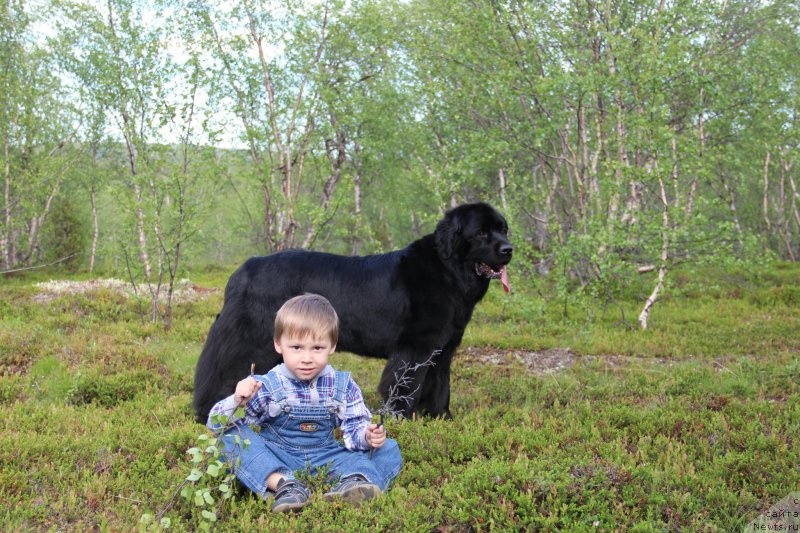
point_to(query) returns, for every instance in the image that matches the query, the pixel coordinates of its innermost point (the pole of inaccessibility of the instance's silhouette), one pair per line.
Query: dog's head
(476, 235)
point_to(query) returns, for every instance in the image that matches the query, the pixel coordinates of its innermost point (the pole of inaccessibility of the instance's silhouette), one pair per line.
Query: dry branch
(403, 377)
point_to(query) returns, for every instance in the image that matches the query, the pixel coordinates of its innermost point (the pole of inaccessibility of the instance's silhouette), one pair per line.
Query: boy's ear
(277, 347)
(333, 349)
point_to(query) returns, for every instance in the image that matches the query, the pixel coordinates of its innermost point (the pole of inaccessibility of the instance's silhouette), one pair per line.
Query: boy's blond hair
(307, 315)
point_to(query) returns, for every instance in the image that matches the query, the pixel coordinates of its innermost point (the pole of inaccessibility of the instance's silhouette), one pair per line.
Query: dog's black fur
(402, 305)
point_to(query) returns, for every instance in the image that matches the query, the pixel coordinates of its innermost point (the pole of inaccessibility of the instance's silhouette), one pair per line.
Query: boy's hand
(245, 390)
(375, 435)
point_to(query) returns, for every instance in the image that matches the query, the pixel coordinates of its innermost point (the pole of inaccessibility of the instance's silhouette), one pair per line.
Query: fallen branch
(67, 258)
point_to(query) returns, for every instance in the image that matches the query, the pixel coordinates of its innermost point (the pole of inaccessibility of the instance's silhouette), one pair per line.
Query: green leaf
(212, 470)
(224, 488)
(210, 516)
(208, 497)
(194, 475)
(166, 522)
(198, 498)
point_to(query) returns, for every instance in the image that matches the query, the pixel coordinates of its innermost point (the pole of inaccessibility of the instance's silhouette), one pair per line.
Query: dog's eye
(483, 234)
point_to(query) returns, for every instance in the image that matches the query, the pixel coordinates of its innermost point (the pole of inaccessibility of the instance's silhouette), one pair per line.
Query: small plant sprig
(317, 479)
(210, 483)
(403, 377)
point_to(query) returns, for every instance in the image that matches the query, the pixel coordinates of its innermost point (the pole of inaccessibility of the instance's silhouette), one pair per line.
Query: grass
(696, 430)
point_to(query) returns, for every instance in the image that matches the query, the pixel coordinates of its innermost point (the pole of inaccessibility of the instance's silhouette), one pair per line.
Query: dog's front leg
(402, 383)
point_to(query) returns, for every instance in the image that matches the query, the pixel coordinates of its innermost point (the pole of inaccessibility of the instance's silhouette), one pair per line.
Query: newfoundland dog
(403, 306)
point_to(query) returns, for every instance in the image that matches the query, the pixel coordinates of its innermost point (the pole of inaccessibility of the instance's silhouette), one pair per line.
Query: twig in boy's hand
(252, 369)
(380, 425)
(402, 380)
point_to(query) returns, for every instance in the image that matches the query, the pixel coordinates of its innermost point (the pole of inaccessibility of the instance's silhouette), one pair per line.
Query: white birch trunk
(662, 270)
(765, 203)
(95, 229)
(784, 222)
(355, 248)
(734, 209)
(34, 235)
(144, 255)
(5, 238)
(503, 201)
(701, 132)
(795, 201)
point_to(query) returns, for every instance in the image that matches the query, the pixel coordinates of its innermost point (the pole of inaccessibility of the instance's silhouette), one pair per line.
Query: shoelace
(289, 488)
(352, 480)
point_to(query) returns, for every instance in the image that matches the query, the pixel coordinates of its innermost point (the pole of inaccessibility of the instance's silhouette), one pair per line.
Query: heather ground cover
(563, 420)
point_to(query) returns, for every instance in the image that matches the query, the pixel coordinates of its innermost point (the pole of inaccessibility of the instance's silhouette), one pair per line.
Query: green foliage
(209, 485)
(65, 236)
(363, 121)
(318, 479)
(51, 380)
(107, 390)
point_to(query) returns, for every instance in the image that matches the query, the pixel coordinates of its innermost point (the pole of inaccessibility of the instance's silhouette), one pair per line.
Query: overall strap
(341, 380)
(274, 387)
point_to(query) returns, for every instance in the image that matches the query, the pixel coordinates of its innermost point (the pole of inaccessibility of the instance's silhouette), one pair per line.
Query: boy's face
(304, 357)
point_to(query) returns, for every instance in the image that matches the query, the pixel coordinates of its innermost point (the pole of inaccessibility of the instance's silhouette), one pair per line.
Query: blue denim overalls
(295, 436)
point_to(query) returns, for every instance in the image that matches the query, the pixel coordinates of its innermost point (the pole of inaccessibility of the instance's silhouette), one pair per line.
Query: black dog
(403, 305)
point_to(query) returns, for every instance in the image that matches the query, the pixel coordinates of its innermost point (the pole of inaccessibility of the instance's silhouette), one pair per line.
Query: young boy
(297, 405)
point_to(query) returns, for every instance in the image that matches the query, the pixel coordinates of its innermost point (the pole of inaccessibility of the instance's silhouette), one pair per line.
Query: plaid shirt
(353, 422)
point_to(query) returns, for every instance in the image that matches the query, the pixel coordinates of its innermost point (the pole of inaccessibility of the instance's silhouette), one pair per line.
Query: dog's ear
(447, 234)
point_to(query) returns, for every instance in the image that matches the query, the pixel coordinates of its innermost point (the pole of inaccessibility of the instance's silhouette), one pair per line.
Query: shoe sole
(288, 507)
(359, 493)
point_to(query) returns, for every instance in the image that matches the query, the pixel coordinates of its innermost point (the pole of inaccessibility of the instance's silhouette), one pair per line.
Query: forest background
(643, 151)
(146, 137)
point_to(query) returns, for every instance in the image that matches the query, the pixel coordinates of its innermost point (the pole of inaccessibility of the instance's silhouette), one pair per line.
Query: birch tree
(38, 126)
(265, 56)
(120, 60)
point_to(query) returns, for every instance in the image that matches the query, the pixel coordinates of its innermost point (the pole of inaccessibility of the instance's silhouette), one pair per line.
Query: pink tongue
(504, 280)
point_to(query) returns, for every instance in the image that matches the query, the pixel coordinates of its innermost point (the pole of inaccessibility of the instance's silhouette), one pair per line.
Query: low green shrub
(691, 425)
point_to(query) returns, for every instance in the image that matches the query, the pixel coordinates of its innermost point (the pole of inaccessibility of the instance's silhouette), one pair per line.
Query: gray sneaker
(290, 495)
(353, 489)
